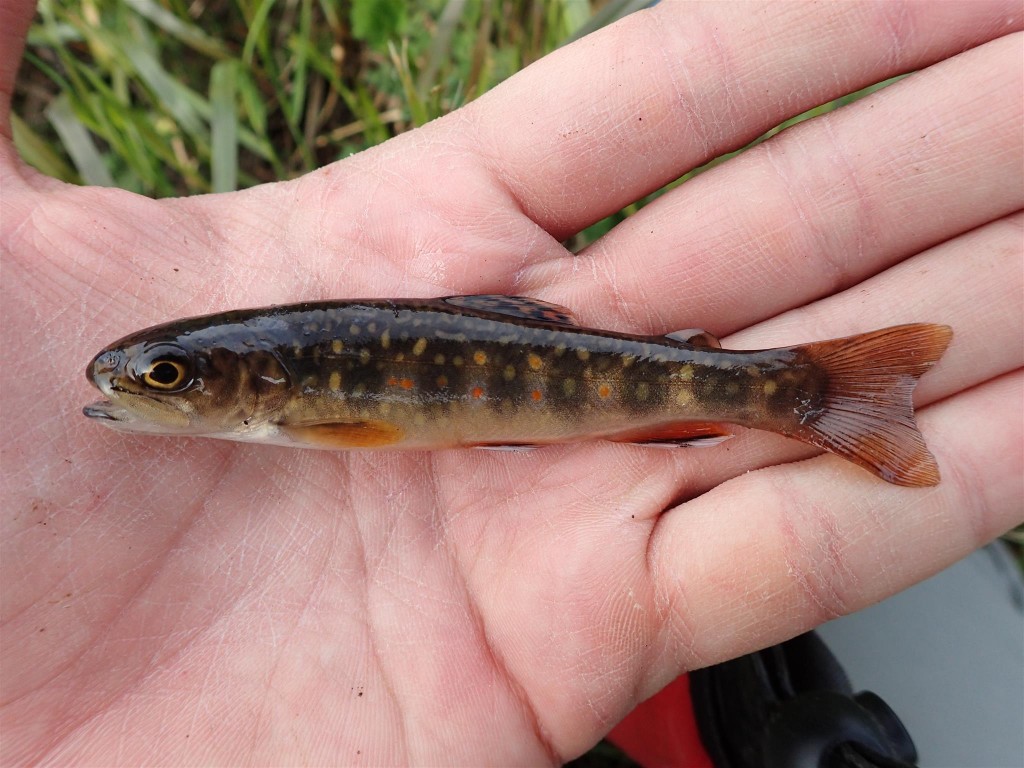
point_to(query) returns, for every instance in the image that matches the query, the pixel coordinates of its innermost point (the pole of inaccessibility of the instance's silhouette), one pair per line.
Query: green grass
(165, 97)
(168, 98)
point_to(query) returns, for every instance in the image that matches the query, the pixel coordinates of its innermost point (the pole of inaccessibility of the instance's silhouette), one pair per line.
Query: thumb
(15, 17)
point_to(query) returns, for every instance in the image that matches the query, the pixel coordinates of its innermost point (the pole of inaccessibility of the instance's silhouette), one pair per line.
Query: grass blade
(223, 127)
(78, 142)
(37, 153)
(189, 34)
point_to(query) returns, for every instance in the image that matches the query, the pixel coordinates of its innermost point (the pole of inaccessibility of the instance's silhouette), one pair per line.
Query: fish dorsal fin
(515, 306)
(695, 337)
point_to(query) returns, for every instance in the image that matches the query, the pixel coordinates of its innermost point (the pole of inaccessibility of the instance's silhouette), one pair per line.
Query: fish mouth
(100, 410)
(117, 416)
(105, 410)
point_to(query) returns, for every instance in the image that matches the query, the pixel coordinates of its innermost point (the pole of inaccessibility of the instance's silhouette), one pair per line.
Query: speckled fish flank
(494, 371)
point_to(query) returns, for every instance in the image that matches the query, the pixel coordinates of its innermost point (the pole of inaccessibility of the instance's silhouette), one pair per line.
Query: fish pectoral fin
(515, 306)
(695, 337)
(345, 434)
(685, 434)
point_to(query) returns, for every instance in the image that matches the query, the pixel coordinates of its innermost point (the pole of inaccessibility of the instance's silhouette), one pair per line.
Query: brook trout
(501, 371)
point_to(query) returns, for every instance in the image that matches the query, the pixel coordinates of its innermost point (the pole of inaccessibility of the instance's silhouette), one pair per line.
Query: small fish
(508, 372)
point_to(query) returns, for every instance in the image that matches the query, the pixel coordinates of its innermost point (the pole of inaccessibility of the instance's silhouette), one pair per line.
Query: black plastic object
(792, 706)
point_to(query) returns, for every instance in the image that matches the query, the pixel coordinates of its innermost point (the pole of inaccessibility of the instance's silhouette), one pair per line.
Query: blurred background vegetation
(182, 97)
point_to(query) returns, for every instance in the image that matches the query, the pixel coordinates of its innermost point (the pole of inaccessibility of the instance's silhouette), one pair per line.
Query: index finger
(598, 124)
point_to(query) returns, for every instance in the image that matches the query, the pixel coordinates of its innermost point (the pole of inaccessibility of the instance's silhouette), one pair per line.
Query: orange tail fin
(868, 414)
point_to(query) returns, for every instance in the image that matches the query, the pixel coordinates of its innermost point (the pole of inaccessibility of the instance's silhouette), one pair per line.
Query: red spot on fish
(477, 392)
(406, 383)
(392, 381)
(536, 394)
(604, 391)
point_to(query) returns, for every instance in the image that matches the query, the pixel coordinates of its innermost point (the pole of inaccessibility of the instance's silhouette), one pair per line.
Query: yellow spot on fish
(385, 409)
(560, 349)
(569, 387)
(309, 381)
(535, 362)
(353, 329)
(385, 338)
(419, 347)
(753, 370)
(399, 357)
(371, 327)
(336, 346)
(685, 373)
(583, 354)
(509, 373)
(628, 360)
(335, 381)
(770, 387)
(297, 350)
(419, 418)
(457, 361)
(643, 391)
(359, 390)
(732, 388)
(684, 396)
(438, 359)
(364, 356)
(442, 381)
(480, 357)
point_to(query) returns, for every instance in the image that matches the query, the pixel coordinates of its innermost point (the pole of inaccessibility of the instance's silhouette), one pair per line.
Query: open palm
(213, 602)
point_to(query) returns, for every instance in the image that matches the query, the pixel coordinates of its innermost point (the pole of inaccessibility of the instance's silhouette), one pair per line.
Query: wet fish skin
(487, 371)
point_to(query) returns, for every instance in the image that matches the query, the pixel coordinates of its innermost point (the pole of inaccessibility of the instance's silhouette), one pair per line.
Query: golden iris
(165, 374)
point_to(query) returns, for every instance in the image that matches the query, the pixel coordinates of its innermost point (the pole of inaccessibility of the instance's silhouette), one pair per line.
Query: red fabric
(662, 731)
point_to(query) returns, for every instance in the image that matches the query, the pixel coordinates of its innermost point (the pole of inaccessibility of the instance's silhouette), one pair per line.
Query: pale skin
(194, 601)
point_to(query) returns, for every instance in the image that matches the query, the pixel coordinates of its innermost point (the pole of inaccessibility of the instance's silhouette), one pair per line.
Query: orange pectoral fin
(676, 434)
(345, 434)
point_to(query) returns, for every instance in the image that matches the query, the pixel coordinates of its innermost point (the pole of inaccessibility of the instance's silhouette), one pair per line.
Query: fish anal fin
(515, 306)
(345, 434)
(695, 337)
(867, 415)
(513, 447)
(681, 434)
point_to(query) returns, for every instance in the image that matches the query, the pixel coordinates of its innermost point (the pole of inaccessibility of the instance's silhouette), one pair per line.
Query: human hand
(214, 602)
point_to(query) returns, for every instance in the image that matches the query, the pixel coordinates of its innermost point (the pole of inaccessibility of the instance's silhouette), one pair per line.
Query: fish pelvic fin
(867, 415)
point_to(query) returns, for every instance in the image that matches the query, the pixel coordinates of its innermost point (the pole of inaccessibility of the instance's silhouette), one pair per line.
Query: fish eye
(167, 371)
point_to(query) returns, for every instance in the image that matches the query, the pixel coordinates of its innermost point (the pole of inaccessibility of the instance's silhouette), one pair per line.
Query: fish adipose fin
(685, 434)
(868, 415)
(515, 306)
(695, 337)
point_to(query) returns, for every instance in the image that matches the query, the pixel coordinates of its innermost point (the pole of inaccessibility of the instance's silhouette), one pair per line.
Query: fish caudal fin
(868, 413)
